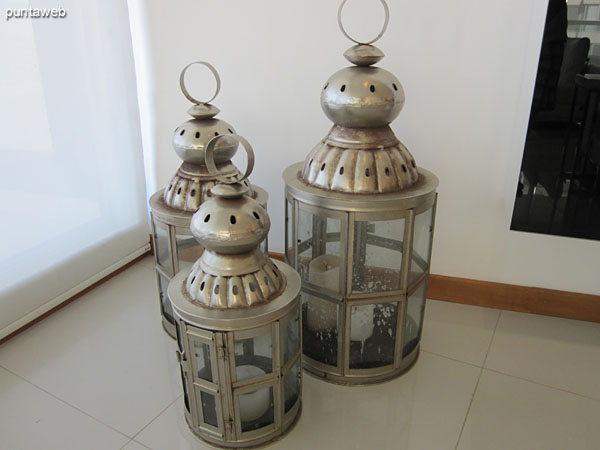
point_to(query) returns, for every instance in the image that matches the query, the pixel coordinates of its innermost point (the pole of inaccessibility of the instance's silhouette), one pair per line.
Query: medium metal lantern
(172, 208)
(237, 315)
(359, 227)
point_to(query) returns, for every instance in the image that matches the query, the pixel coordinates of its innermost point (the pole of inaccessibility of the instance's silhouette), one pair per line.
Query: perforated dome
(363, 161)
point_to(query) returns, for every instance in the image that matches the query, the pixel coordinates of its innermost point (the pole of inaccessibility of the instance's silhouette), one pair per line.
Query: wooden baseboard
(73, 298)
(510, 297)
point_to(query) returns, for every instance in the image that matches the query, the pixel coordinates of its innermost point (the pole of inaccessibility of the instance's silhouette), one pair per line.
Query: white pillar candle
(253, 405)
(361, 323)
(324, 272)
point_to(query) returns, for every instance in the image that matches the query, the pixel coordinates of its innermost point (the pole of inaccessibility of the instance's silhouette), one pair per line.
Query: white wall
(467, 67)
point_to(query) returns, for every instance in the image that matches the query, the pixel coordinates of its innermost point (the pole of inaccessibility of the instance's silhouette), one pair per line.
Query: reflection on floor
(102, 374)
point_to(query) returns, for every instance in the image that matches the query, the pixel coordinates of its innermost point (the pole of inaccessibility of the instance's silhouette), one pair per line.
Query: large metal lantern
(172, 208)
(359, 228)
(238, 322)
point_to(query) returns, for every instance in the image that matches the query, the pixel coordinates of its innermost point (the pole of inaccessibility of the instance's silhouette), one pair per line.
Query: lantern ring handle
(184, 89)
(209, 159)
(386, 10)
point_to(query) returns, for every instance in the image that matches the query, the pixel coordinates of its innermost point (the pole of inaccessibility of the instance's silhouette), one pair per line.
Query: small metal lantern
(237, 316)
(359, 228)
(172, 208)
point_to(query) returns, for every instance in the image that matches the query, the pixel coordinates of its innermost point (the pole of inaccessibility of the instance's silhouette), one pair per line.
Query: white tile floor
(101, 374)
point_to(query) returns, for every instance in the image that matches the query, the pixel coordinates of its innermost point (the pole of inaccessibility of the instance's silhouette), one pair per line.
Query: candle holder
(359, 227)
(237, 316)
(172, 208)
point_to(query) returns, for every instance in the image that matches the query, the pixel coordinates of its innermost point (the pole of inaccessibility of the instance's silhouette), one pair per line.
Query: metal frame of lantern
(176, 249)
(172, 208)
(241, 364)
(351, 211)
(359, 219)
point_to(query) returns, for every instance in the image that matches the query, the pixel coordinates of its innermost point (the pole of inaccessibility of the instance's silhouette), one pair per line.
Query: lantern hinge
(180, 356)
(221, 351)
(229, 424)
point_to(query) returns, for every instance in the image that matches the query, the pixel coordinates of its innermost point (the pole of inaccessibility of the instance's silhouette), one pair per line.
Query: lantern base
(360, 380)
(256, 443)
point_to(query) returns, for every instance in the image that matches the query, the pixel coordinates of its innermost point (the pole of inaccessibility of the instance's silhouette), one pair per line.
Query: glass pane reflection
(291, 386)
(254, 356)
(319, 250)
(162, 247)
(320, 329)
(257, 409)
(415, 308)
(422, 235)
(377, 260)
(373, 335)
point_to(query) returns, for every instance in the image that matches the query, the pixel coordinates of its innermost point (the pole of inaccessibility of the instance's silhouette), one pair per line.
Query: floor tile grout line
(138, 443)
(67, 403)
(462, 428)
(126, 444)
(156, 417)
(452, 359)
(542, 384)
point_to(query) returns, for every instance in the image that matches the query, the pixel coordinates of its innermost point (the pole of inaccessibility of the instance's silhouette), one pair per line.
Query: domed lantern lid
(191, 185)
(232, 272)
(361, 153)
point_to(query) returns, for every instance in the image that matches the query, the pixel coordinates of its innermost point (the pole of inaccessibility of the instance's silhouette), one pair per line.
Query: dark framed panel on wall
(559, 183)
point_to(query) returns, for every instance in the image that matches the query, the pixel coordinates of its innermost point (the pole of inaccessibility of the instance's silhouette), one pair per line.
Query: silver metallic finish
(191, 138)
(363, 55)
(211, 153)
(184, 89)
(359, 229)
(177, 222)
(238, 322)
(172, 208)
(192, 182)
(191, 185)
(383, 28)
(360, 160)
(362, 97)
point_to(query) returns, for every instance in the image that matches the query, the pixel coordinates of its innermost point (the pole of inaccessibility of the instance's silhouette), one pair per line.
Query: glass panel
(423, 232)
(377, 260)
(289, 239)
(254, 356)
(320, 329)
(202, 364)
(291, 386)
(186, 398)
(162, 247)
(188, 250)
(209, 408)
(166, 308)
(179, 339)
(373, 335)
(257, 409)
(415, 307)
(319, 250)
(291, 338)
